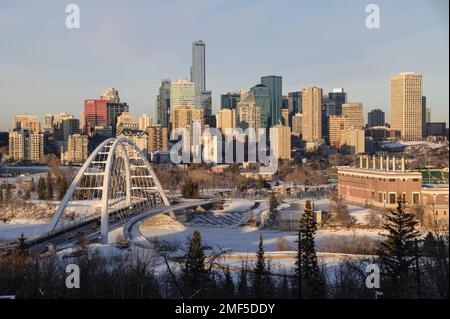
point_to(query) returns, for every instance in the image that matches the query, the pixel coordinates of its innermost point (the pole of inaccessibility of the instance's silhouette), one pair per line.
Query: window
(380, 197)
(392, 199)
(415, 198)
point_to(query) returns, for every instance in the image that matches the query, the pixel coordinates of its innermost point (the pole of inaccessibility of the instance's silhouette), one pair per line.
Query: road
(90, 230)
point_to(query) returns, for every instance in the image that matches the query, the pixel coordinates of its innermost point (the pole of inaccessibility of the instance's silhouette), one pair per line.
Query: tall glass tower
(198, 75)
(274, 84)
(262, 99)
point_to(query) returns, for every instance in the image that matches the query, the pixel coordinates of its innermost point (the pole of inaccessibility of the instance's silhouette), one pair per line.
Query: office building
(285, 117)
(376, 117)
(295, 102)
(406, 105)
(110, 94)
(262, 100)
(338, 96)
(353, 140)
(163, 103)
(337, 126)
(198, 73)
(229, 100)
(248, 114)
(140, 138)
(182, 92)
(274, 84)
(126, 121)
(354, 112)
(183, 115)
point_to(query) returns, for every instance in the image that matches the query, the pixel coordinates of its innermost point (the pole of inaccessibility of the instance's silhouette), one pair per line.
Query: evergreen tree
(242, 290)
(189, 189)
(195, 276)
(310, 282)
(49, 191)
(62, 187)
(259, 272)
(228, 286)
(41, 188)
(22, 243)
(399, 251)
(1, 195)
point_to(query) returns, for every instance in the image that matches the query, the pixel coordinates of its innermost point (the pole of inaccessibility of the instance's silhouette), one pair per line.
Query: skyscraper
(406, 105)
(26, 145)
(163, 103)
(424, 116)
(274, 84)
(229, 100)
(354, 112)
(226, 119)
(27, 121)
(280, 141)
(248, 113)
(95, 114)
(339, 97)
(376, 117)
(182, 92)
(312, 116)
(295, 102)
(262, 100)
(198, 74)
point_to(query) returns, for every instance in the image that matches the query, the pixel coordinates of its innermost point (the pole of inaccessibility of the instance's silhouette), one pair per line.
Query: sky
(133, 45)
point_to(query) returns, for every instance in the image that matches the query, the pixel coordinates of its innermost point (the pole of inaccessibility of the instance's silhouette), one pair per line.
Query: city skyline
(56, 69)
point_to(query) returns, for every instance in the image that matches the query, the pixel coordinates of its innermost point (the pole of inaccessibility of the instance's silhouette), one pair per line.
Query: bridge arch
(115, 183)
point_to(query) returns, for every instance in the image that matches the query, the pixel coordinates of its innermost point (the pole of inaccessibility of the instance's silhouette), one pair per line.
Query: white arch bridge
(115, 185)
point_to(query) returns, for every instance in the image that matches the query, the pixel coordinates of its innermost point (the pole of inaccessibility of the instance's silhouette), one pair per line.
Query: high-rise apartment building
(406, 105)
(48, 122)
(226, 119)
(26, 145)
(354, 112)
(285, 117)
(275, 86)
(280, 141)
(229, 100)
(297, 124)
(312, 116)
(140, 138)
(163, 103)
(24, 121)
(77, 149)
(261, 96)
(157, 139)
(339, 97)
(145, 121)
(376, 117)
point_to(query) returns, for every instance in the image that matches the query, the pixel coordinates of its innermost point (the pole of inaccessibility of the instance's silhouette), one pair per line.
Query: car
(69, 237)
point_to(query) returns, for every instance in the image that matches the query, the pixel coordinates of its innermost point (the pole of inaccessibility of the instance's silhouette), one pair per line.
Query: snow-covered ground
(246, 239)
(10, 232)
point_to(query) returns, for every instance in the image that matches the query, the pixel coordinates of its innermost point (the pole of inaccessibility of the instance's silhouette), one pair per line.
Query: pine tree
(49, 191)
(310, 282)
(242, 290)
(273, 203)
(259, 271)
(399, 251)
(62, 187)
(1, 195)
(22, 243)
(41, 188)
(195, 276)
(228, 287)
(27, 195)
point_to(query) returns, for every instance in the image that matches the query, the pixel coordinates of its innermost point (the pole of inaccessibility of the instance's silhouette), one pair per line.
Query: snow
(10, 232)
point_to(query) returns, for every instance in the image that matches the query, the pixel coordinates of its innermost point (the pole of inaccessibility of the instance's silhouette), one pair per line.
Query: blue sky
(132, 45)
